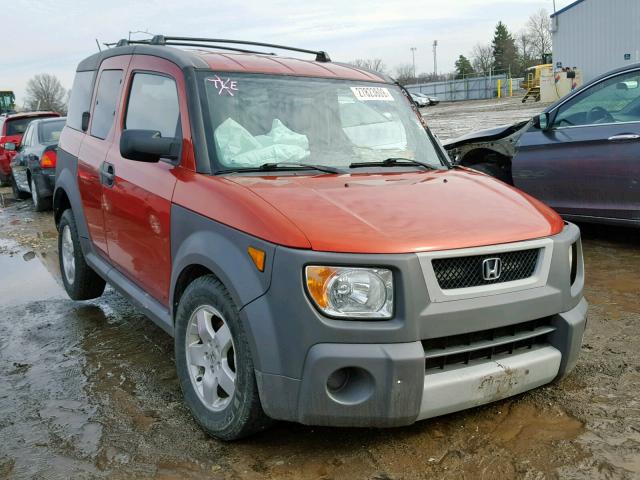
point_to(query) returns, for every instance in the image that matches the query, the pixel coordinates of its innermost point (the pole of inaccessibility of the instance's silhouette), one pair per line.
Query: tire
(80, 281)
(17, 193)
(209, 330)
(491, 169)
(40, 203)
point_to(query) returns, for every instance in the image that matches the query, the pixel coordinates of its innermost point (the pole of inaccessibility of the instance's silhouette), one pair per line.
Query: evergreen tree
(505, 52)
(463, 67)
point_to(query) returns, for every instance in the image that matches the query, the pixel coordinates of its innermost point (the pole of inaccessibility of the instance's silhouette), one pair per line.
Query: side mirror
(85, 121)
(10, 147)
(542, 121)
(148, 146)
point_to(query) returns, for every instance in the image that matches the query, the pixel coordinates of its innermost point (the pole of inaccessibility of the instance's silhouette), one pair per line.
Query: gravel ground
(88, 389)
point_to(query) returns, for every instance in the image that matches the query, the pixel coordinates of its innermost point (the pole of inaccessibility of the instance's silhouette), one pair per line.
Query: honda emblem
(491, 268)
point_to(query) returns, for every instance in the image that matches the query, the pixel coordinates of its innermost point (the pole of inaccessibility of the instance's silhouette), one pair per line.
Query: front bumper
(297, 350)
(400, 392)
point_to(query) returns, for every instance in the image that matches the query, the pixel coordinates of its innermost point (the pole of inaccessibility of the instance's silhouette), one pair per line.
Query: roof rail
(321, 56)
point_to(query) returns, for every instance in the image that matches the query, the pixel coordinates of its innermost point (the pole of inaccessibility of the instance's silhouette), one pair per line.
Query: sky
(52, 36)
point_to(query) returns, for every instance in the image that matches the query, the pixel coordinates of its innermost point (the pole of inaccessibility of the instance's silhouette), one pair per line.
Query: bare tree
(539, 30)
(525, 47)
(45, 92)
(404, 74)
(482, 58)
(375, 64)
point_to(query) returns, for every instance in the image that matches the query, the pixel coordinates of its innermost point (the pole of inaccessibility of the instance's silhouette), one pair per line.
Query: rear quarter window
(80, 99)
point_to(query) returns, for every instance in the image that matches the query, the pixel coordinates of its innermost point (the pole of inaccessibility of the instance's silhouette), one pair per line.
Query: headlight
(351, 292)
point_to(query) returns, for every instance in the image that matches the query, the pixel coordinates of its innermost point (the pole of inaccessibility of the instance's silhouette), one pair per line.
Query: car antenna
(98, 43)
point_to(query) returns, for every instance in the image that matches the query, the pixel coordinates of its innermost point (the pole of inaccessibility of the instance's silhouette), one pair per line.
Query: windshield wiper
(273, 166)
(296, 165)
(393, 162)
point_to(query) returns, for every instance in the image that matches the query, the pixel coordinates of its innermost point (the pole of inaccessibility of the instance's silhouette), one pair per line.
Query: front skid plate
(469, 386)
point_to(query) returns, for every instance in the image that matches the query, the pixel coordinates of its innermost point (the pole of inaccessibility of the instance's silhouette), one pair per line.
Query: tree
(505, 53)
(45, 92)
(539, 30)
(523, 42)
(482, 58)
(375, 64)
(463, 67)
(404, 74)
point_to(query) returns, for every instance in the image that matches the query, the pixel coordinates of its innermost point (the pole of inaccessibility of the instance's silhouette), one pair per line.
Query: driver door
(588, 163)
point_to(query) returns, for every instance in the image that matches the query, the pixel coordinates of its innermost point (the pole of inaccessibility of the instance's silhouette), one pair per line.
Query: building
(596, 35)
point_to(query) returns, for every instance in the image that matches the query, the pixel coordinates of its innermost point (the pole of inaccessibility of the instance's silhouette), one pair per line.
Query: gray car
(581, 155)
(33, 169)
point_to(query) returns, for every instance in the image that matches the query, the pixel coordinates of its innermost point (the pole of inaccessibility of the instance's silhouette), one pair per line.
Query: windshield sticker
(372, 93)
(224, 86)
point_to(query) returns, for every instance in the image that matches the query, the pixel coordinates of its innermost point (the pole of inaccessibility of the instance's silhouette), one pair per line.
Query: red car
(12, 127)
(300, 232)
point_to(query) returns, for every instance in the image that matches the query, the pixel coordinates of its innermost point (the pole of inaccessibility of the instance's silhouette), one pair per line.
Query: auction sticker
(372, 93)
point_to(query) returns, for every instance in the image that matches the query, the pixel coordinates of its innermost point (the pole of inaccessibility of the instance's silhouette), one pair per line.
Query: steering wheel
(599, 115)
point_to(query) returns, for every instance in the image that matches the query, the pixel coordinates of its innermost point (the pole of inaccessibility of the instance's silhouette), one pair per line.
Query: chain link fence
(470, 88)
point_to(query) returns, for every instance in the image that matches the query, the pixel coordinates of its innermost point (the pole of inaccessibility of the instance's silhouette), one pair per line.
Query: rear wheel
(40, 203)
(214, 362)
(17, 193)
(79, 279)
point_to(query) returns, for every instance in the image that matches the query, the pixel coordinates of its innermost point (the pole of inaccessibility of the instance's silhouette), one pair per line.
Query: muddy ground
(88, 389)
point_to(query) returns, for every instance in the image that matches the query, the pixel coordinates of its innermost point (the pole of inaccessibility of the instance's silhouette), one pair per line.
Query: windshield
(255, 119)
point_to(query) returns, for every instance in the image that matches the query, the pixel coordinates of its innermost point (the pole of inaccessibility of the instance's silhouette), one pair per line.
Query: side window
(107, 96)
(80, 99)
(612, 101)
(153, 105)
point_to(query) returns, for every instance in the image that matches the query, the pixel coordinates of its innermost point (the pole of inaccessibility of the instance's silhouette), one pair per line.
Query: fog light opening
(350, 385)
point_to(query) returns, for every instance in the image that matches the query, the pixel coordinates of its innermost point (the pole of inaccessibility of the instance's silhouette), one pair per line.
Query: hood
(485, 135)
(404, 212)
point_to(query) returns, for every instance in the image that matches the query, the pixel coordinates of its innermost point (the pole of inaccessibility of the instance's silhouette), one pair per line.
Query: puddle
(27, 276)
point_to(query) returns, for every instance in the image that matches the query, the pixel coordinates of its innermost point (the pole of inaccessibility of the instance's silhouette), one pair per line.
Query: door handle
(624, 138)
(107, 174)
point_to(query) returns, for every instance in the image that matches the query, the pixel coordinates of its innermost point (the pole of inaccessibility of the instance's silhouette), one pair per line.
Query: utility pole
(413, 55)
(435, 60)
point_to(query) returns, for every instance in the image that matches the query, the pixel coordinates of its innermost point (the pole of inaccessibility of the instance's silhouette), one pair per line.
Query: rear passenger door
(96, 144)
(138, 203)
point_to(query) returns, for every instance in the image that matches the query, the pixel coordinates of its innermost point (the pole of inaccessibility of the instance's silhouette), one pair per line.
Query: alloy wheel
(68, 257)
(211, 357)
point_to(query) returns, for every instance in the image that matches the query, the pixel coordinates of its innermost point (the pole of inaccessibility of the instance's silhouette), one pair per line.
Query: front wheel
(78, 278)
(492, 169)
(214, 362)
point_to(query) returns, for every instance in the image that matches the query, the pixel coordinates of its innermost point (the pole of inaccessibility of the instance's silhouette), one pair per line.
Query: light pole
(435, 59)
(413, 55)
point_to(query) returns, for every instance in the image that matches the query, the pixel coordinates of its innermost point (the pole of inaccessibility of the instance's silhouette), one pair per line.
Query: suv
(12, 127)
(299, 231)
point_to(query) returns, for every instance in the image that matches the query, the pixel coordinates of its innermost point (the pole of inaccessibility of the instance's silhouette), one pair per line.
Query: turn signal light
(48, 159)
(258, 256)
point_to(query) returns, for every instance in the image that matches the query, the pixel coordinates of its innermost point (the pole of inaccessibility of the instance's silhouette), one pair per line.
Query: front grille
(463, 272)
(485, 344)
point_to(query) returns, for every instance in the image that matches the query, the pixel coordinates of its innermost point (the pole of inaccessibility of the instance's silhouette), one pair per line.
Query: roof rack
(321, 56)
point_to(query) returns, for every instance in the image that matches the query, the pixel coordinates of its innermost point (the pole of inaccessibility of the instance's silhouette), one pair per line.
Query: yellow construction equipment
(531, 83)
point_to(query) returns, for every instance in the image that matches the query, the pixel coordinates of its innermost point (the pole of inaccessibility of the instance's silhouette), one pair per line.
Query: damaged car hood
(489, 134)
(404, 212)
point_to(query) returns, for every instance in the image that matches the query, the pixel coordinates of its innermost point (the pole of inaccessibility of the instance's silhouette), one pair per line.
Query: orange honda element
(299, 231)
